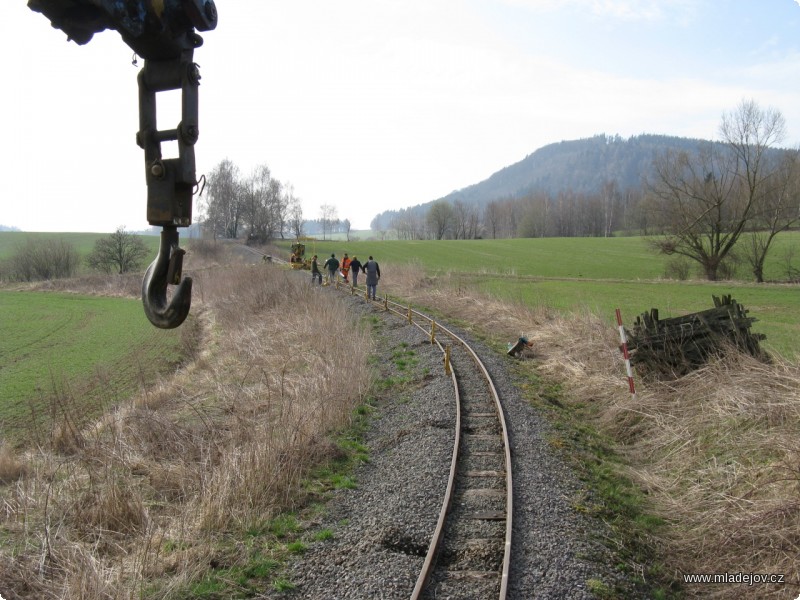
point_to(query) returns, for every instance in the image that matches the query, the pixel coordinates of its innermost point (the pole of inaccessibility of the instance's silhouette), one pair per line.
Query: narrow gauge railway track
(469, 554)
(470, 550)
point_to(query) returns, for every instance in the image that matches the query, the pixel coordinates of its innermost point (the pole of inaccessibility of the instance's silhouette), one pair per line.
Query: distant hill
(582, 166)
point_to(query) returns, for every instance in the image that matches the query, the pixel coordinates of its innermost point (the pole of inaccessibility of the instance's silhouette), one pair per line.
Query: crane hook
(166, 269)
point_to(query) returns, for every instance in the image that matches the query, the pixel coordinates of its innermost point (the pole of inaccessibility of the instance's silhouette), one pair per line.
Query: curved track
(470, 550)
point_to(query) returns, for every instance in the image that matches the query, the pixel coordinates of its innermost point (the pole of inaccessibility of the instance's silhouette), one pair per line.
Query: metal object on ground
(163, 33)
(624, 346)
(516, 349)
(298, 259)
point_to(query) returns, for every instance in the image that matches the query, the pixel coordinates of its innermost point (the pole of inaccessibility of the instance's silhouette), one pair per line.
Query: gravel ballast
(382, 528)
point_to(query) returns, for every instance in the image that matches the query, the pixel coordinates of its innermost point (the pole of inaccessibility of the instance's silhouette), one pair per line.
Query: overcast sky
(370, 105)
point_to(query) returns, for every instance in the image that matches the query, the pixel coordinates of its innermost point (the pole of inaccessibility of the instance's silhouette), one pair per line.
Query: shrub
(678, 268)
(41, 260)
(208, 249)
(11, 467)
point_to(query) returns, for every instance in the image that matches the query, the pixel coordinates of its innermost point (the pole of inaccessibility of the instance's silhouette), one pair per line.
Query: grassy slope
(189, 478)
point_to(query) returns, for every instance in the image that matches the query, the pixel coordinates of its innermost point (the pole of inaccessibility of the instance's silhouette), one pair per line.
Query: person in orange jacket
(346, 267)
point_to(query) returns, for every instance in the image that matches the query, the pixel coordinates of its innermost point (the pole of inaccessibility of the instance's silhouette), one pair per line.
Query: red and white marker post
(626, 355)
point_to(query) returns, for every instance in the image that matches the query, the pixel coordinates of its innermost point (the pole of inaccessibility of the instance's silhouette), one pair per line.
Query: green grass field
(598, 258)
(594, 274)
(65, 345)
(626, 258)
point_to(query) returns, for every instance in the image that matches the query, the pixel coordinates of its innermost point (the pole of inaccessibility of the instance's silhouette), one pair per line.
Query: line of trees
(257, 205)
(567, 214)
(260, 207)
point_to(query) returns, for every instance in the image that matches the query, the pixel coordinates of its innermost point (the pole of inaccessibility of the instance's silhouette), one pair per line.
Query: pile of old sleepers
(676, 346)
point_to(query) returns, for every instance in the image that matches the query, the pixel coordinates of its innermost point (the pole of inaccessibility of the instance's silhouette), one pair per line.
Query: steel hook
(164, 270)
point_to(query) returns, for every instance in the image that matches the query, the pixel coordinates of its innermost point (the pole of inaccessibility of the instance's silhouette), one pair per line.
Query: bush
(729, 266)
(41, 260)
(208, 249)
(792, 272)
(678, 268)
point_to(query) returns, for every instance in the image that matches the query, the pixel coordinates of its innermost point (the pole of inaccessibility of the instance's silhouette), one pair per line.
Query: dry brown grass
(725, 466)
(224, 445)
(128, 285)
(11, 466)
(718, 451)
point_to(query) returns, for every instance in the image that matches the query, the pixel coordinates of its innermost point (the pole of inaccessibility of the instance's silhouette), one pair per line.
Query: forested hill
(581, 166)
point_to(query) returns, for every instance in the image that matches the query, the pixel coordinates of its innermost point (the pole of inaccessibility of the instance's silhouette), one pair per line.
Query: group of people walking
(347, 267)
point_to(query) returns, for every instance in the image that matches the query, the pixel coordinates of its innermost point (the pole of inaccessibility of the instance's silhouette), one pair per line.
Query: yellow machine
(297, 260)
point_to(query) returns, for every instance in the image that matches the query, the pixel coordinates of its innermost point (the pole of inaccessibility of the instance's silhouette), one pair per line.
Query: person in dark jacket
(315, 272)
(373, 272)
(355, 267)
(332, 264)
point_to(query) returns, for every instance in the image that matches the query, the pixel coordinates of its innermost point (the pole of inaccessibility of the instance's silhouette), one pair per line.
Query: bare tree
(408, 224)
(491, 218)
(295, 214)
(460, 218)
(440, 219)
(466, 221)
(534, 218)
(256, 210)
(779, 211)
(509, 217)
(286, 202)
(224, 206)
(121, 252)
(610, 200)
(474, 223)
(328, 217)
(707, 199)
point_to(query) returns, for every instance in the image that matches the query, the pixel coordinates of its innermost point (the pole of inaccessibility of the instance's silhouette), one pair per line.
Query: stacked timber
(674, 347)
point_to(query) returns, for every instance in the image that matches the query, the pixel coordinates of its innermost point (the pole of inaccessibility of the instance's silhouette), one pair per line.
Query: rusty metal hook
(166, 269)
